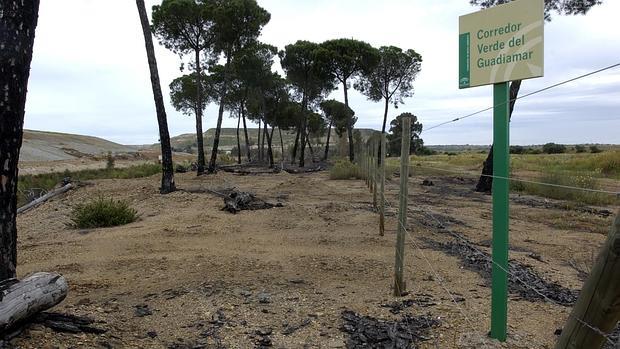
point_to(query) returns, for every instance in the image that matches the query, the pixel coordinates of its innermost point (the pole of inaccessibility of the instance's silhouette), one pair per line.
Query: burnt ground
(312, 274)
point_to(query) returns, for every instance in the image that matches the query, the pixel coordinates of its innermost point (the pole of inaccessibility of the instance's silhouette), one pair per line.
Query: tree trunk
(245, 131)
(18, 20)
(167, 178)
(385, 114)
(329, 131)
(485, 182)
(295, 146)
(269, 146)
(199, 140)
(310, 147)
(260, 129)
(304, 121)
(45, 197)
(238, 138)
(281, 147)
(19, 300)
(220, 115)
(262, 144)
(349, 126)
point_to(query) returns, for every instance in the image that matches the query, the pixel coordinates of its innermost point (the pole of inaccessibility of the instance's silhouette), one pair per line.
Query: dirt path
(189, 275)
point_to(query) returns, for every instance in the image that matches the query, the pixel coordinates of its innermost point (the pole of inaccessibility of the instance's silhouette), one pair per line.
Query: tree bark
(349, 126)
(270, 146)
(19, 300)
(329, 131)
(238, 139)
(245, 131)
(385, 114)
(260, 129)
(199, 137)
(167, 178)
(295, 146)
(262, 144)
(485, 182)
(304, 121)
(281, 147)
(220, 115)
(18, 21)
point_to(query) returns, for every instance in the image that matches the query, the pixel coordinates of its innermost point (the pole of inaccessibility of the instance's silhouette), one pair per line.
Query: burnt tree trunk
(485, 182)
(220, 115)
(281, 147)
(167, 178)
(349, 126)
(270, 146)
(304, 121)
(329, 131)
(262, 142)
(18, 20)
(260, 128)
(295, 146)
(238, 139)
(199, 136)
(245, 131)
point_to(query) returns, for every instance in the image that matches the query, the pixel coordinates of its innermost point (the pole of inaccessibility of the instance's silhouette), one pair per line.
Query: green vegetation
(552, 148)
(345, 170)
(103, 212)
(556, 192)
(48, 181)
(583, 170)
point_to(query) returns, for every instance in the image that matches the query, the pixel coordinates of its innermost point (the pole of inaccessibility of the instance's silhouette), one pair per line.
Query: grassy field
(35, 184)
(599, 171)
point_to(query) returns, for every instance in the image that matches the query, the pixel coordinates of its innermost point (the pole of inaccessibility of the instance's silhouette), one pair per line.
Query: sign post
(496, 46)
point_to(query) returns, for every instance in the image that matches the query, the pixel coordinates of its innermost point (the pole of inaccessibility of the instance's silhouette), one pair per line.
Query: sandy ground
(213, 279)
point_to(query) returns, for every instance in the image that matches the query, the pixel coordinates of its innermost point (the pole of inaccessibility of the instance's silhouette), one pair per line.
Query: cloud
(89, 73)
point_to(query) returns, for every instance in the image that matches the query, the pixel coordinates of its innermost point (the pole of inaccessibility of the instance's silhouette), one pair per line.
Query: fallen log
(45, 197)
(304, 170)
(20, 300)
(237, 201)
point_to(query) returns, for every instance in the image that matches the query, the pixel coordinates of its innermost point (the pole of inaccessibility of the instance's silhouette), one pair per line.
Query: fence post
(501, 165)
(382, 187)
(399, 283)
(599, 298)
(375, 171)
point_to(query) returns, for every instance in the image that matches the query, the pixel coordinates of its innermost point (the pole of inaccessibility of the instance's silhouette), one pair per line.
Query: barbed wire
(525, 95)
(514, 179)
(485, 256)
(429, 213)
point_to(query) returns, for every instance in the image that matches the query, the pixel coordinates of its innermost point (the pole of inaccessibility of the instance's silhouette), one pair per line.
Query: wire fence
(425, 210)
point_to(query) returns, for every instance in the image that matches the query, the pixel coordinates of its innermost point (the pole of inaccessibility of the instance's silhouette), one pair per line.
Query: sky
(89, 72)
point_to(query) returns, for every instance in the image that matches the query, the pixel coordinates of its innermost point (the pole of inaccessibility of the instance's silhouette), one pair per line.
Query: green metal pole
(501, 164)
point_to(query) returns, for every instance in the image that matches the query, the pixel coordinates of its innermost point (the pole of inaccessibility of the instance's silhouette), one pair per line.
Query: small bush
(103, 212)
(594, 149)
(109, 161)
(345, 170)
(580, 148)
(552, 148)
(517, 149)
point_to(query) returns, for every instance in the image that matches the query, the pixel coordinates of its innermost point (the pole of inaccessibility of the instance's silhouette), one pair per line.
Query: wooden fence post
(382, 187)
(399, 283)
(598, 304)
(375, 171)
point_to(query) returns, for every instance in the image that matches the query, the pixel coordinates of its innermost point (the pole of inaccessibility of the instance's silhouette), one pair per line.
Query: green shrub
(580, 148)
(594, 149)
(109, 161)
(552, 148)
(103, 212)
(345, 170)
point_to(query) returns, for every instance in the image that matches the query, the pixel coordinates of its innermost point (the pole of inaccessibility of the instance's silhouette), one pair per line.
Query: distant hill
(49, 146)
(228, 139)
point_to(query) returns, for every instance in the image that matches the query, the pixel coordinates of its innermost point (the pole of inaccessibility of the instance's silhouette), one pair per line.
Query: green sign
(502, 43)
